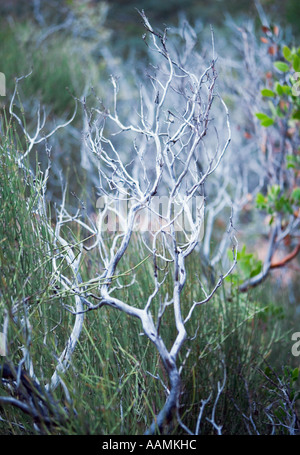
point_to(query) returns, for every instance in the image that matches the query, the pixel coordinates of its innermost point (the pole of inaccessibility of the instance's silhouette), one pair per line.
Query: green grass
(56, 68)
(115, 379)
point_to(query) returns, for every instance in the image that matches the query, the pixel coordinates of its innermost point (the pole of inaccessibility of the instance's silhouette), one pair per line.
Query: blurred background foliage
(115, 24)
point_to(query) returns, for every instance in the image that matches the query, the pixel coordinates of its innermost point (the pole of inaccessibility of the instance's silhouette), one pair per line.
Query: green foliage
(287, 391)
(26, 282)
(281, 66)
(284, 105)
(265, 120)
(286, 100)
(247, 264)
(23, 237)
(56, 68)
(115, 380)
(267, 92)
(275, 202)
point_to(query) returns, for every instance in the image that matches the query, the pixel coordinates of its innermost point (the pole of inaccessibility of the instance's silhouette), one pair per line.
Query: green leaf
(260, 198)
(260, 115)
(260, 201)
(279, 89)
(287, 53)
(281, 66)
(296, 63)
(287, 89)
(267, 92)
(264, 119)
(267, 122)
